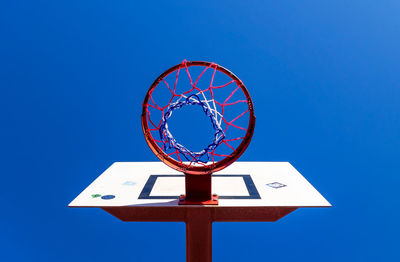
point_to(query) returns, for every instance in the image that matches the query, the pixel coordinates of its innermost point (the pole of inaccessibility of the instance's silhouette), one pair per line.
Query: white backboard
(263, 184)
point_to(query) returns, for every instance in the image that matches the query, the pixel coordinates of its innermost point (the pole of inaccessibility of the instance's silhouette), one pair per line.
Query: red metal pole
(198, 191)
(198, 187)
(198, 221)
(198, 235)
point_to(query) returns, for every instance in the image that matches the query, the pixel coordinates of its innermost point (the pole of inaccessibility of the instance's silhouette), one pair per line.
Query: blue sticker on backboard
(129, 183)
(276, 185)
(107, 197)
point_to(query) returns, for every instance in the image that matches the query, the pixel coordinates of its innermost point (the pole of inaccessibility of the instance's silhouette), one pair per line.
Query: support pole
(198, 191)
(198, 187)
(198, 235)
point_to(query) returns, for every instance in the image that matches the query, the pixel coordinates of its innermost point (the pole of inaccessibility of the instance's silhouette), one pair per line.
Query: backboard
(243, 184)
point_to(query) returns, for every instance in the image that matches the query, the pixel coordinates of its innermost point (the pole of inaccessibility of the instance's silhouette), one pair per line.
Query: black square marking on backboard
(251, 188)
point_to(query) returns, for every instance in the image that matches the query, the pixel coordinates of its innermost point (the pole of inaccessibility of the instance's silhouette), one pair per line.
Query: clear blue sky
(325, 81)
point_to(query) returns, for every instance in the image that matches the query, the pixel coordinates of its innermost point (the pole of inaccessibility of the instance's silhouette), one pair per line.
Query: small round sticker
(107, 197)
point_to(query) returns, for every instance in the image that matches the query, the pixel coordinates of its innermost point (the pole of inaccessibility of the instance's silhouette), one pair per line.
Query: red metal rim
(198, 170)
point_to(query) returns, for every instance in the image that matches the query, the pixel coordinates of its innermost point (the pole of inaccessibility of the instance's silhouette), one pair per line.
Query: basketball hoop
(222, 97)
